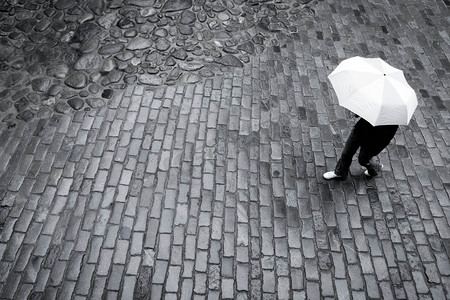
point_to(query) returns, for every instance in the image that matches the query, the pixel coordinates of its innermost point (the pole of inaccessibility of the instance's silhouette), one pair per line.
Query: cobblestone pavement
(214, 190)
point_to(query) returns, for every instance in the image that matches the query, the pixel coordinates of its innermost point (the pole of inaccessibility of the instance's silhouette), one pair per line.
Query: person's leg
(350, 148)
(365, 159)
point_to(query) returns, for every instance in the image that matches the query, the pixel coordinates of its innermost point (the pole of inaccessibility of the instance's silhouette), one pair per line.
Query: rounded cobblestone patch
(64, 47)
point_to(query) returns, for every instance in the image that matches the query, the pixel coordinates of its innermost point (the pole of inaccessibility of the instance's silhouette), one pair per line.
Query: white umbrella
(374, 90)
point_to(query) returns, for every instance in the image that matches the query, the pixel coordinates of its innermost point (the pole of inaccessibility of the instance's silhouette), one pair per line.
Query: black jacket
(375, 138)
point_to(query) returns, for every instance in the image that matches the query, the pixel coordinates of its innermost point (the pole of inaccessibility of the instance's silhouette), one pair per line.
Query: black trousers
(364, 159)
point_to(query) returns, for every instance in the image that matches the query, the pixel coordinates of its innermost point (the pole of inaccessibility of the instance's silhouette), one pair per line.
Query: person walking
(371, 140)
(380, 94)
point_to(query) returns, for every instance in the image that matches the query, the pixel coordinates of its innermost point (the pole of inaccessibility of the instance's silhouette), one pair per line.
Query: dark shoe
(372, 172)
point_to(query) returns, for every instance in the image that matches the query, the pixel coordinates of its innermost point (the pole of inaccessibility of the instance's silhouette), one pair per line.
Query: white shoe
(331, 175)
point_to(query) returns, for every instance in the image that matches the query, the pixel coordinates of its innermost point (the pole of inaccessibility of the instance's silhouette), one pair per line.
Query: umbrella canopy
(373, 89)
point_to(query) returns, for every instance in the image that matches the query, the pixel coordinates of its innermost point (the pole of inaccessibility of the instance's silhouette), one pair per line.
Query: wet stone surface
(54, 52)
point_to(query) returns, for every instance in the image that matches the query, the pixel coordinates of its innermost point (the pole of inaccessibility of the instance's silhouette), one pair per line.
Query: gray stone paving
(214, 189)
